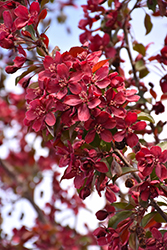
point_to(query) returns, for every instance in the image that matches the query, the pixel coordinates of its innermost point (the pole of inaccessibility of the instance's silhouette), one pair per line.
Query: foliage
(93, 118)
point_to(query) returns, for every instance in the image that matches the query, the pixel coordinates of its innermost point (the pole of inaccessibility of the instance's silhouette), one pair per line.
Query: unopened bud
(129, 183)
(101, 214)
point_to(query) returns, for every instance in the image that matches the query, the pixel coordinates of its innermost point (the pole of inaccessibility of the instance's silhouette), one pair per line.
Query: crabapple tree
(94, 110)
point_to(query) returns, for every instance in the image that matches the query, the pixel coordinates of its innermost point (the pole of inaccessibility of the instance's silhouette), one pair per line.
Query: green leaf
(144, 72)
(65, 135)
(162, 145)
(153, 215)
(132, 241)
(30, 29)
(158, 218)
(148, 24)
(152, 4)
(61, 18)
(109, 3)
(106, 146)
(161, 203)
(147, 218)
(145, 116)
(43, 2)
(162, 232)
(148, 234)
(122, 205)
(143, 203)
(96, 141)
(131, 156)
(46, 136)
(140, 65)
(40, 52)
(128, 170)
(114, 220)
(139, 47)
(33, 85)
(72, 129)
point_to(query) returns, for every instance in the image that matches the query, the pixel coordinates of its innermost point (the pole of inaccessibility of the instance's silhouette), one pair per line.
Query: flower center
(156, 161)
(62, 83)
(112, 103)
(83, 96)
(37, 91)
(38, 111)
(94, 78)
(98, 128)
(129, 130)
(52, 67)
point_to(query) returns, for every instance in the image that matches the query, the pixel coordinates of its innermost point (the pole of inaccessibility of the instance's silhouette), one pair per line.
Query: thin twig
(130, 56)
(128, 46)
(155, 136)
(124, 160)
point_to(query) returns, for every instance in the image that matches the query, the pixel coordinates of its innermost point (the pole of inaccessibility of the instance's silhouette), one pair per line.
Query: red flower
(103, 214)
(158, 107)
(148, 190)
(157, 242)
(25, 17)
(109, 236)
(63, 80)
(131, 96)
(110, 192)
(18, 63)
(100, 125)
(128, 125)
(40, 112)
(114, 101)
(50, 66)
(99, 78)
(98, 42)
(93, 162)
(150, 159)
(84, 102)
(6, 31)
(163, 57)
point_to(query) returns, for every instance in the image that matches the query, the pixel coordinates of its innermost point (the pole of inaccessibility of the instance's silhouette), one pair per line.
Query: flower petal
(83, 113)
(72, 100)
(110, 196)
(50, 119)
(106, 135)
(130, 118)
(101, 167)
(132, 139)
(90, 136)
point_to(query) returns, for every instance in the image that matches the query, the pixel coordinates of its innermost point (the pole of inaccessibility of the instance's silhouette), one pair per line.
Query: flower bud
(101, 214)
(129, 183)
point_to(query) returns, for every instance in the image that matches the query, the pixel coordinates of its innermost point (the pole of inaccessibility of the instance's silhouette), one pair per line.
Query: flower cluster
(76, 88)
(82, 90)
(148, 159)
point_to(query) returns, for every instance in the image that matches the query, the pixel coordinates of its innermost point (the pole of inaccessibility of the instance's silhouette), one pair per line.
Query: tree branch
(159, 210)
(129, 53)
(25, 194)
